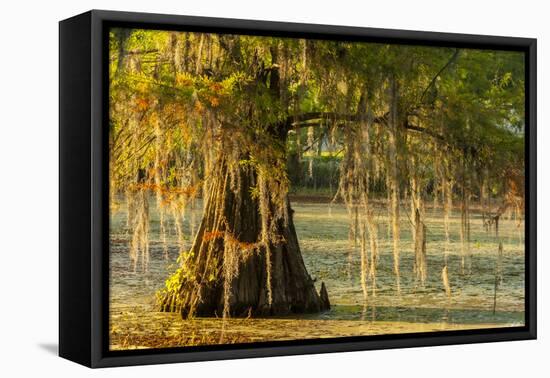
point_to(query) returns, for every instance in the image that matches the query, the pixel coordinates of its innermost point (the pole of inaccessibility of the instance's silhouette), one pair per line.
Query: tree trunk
(227, 272)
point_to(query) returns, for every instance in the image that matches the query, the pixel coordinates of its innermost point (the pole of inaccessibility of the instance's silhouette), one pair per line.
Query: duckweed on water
(323, 234)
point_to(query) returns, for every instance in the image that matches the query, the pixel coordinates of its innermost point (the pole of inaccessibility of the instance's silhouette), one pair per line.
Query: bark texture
(227, 272)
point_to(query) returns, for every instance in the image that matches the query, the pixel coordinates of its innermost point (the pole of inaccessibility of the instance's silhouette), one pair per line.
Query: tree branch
(423, 130)
(304, 120)
(432, 82)
(296, 121)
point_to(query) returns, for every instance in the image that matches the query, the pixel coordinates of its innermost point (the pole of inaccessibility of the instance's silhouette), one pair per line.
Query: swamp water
(329, 257)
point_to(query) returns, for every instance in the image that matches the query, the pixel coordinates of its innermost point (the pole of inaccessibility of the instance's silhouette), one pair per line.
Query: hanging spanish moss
(394, 180)
(446, 282)
(310, 143)
(436, 186)
(158, 173)
(139, 226)
(265, 240)
(498, 275)
(178, 224)
(230, 270)
(420, 263)
(447, 195)
(465, 251)
(418, 227)
(484, 199)
(249, 128)
(354, 189)
(389, 208)
(364, 261)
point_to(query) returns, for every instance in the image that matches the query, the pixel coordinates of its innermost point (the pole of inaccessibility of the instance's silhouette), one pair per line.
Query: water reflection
(329, 257)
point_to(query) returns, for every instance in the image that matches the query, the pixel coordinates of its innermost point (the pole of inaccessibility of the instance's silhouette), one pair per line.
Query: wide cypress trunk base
(226, 273)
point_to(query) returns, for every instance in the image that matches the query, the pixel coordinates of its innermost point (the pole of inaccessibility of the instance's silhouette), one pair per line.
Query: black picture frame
(83, 195)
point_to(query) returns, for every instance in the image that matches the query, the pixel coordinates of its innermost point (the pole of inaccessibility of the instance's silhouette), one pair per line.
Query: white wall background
(29, 185)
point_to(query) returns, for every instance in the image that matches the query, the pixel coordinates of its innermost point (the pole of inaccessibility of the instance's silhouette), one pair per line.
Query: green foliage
(200, 93)
(191, 113)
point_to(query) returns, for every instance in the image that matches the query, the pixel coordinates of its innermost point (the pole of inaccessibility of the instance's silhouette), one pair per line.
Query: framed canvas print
(234, 188)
